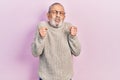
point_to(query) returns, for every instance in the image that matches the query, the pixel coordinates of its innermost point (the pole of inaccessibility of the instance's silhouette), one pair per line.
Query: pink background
(98, 22)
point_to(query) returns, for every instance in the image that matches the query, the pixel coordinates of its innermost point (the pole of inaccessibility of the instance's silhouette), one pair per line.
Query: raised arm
(73, 41)
(39, 40)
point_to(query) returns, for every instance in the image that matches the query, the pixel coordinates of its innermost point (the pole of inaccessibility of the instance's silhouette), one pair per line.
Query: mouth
(57, 20)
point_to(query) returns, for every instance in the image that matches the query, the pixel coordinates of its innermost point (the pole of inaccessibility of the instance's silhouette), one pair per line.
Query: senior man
(55, 42)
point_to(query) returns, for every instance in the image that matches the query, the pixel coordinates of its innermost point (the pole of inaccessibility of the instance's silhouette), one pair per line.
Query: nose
(58, 14)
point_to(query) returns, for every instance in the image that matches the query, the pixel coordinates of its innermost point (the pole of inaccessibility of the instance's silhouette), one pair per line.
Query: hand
(73, 31)
(43, 31)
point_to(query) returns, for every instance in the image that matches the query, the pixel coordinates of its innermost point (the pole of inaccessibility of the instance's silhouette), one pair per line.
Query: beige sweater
(55, 52)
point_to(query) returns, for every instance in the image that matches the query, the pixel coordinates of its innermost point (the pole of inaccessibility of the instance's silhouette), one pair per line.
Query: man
(55, 42)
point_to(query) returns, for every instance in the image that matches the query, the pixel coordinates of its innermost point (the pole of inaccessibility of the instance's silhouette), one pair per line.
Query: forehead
(57, 7)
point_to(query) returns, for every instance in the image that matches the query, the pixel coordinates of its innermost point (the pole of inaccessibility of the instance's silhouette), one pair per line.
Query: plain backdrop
(98, 23)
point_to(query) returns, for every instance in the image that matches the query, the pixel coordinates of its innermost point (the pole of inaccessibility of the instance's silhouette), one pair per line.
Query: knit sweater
(55, 52)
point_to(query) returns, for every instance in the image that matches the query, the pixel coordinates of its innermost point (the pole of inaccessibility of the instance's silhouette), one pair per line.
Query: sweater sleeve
(74, 45)
(38, 43)
(73, 42)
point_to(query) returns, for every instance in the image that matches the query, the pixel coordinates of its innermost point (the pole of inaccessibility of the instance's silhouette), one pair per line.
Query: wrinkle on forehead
(57, 7)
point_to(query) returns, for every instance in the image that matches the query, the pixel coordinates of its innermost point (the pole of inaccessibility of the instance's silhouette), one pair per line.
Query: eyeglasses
(54, 12)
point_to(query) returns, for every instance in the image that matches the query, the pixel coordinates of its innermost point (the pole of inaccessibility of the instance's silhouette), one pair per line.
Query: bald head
(55, 4)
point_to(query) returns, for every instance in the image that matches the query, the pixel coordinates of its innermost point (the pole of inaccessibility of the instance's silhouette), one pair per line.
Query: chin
(57, 23)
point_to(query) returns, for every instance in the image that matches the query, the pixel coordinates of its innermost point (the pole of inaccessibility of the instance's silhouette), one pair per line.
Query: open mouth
(57, 20)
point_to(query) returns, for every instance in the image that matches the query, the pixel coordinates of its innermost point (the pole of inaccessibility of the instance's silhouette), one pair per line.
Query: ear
(64, 16)
(48, 15)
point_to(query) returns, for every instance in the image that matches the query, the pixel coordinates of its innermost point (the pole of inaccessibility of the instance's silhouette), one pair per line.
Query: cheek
(52, 17)
(62, 18)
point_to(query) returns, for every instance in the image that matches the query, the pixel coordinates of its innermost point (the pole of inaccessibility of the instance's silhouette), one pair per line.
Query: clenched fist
(73, 31)
(43, 31)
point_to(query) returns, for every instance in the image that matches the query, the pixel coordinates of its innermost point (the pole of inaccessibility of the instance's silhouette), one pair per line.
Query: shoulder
(42, 24)
(67, 24)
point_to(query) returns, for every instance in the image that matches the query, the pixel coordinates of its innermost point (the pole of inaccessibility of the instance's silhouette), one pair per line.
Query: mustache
(57, 19)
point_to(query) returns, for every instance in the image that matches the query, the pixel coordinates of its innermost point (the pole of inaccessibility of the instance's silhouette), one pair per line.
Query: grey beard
(52, 22)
